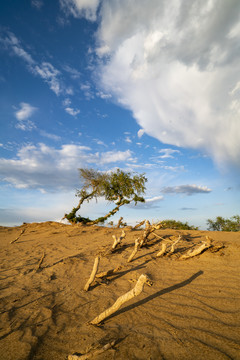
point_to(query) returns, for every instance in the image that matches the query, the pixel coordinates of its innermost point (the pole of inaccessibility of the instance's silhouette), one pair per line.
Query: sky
(147, 86)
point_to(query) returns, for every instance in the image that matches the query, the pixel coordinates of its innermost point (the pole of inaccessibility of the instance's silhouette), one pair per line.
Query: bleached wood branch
(148, 230)
(93, 274)
(136, 247)
(162, 252)
(92, 353)
(40, 261)
(121, 300)
(18, 237)
(108, 273)
(174, 244)
(138, 225)
(117, 241)
(191, 253)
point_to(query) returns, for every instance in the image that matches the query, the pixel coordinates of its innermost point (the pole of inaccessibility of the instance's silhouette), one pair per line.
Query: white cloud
(186, 189)
(154, 199)
(140, 133)
(50, 75)
(174, 65)
(25, 111)
(81, 8)
(167, 153)
(115, 156)
(52, 169)
(74, 73)
(71, 111)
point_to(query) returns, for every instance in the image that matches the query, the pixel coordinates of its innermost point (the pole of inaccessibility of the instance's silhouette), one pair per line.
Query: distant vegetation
(178, 225)
(117, 186)
(221, 224)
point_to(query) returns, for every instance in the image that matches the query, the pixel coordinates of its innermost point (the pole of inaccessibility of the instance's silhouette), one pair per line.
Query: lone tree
(118, 186)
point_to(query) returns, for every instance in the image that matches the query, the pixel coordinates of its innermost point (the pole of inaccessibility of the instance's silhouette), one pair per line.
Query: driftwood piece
(138, 288)
(163, 250)
(174, 244)
(136, 247)
(117, 241)
(148, 230)
(18, 237)
(138, 225)
(92, 353)
(93, 274)
(108, 273)
(198, 250)
(40, 261)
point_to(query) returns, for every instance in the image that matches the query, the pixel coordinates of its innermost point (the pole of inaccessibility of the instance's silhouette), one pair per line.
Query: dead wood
(40, 261)
(108, 273)
(18, 237)
(136, 247)
(117, 241)
(138, 288)
(138, 225)
(198, 250)
(92, 353)
(93, 274)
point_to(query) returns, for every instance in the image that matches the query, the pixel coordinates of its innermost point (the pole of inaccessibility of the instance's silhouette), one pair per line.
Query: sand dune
(191, 311)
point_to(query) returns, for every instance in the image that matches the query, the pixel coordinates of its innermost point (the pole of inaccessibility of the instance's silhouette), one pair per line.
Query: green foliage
(173, 224)
(118, 186)
(221, 224)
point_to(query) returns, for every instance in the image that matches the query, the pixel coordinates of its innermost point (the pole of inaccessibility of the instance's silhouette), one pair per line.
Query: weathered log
(93, 274)
(197, 251)
(138, 288)
(136, 247)
(40, 261)
(92, 353)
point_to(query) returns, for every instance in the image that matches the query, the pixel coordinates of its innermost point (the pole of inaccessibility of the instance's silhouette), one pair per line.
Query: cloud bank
(49, 169)
(175, 65)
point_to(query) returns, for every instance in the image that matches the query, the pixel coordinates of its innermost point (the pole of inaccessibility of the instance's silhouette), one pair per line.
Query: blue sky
(145, 86)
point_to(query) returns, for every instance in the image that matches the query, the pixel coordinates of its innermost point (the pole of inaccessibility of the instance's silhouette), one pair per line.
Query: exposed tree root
(93, 274)
(138, 288)
(198, 250)
(136, 247)
(92, 353)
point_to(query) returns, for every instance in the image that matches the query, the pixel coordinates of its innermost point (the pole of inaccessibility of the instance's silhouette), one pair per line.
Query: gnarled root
(117, 241)
(93, 274)
(191, 253)
(162, 252)
(138, 288)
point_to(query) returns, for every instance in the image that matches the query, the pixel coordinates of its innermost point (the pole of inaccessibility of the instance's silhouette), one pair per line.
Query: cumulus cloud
(23, 114)
(115, 156)
(174, 64)
(71, 111)
(186, 189)
(25, 111)
(81, 8)
(49, 169)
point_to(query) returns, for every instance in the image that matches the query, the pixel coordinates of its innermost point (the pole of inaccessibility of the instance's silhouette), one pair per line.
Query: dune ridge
(191, 311)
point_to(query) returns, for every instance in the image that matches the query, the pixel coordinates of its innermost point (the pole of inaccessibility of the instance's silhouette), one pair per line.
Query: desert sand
(191, 311)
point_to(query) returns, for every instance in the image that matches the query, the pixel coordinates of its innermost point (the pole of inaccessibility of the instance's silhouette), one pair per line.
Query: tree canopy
(117, 186)
(221, 224)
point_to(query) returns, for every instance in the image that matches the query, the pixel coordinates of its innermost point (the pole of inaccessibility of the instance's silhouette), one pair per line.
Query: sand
(191, 311)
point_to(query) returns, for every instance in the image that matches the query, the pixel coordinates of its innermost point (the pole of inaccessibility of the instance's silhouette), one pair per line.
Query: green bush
(221, 224)
(178, 225)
